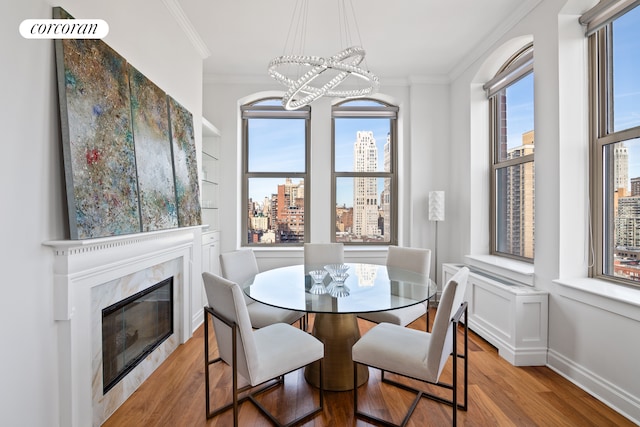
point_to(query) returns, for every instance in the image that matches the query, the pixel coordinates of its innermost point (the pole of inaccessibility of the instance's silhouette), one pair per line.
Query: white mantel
(81, 267)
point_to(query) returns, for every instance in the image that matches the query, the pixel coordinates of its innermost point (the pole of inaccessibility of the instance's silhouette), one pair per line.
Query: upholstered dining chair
(417, 354)
(241, 266)
(317, 255)
(261, 357)
(411, 259)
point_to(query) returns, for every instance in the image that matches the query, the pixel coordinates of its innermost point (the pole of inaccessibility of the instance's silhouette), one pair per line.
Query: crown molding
(187, 27)
(480, 49)
(437, 79)
(212, 78)
(247, 79)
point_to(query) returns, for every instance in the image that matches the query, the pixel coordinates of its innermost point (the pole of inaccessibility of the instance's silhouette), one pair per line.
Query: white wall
(33, 198)
(591, 323)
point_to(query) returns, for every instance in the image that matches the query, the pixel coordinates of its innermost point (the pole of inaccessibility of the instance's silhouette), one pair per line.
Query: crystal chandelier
(302, 74)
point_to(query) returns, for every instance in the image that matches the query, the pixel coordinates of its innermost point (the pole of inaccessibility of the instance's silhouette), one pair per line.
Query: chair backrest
(317, 255)
(410, 259)
(441, 344)
(239, 267)
(225, 297)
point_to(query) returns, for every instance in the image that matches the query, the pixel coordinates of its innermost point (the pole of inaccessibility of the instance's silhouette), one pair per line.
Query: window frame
(602, 134)
(252, 110)
(517, 67)
(384, 110)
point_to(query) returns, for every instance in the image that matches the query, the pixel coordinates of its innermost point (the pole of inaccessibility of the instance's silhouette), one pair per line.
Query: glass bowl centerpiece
(338, 272)
(317, 276)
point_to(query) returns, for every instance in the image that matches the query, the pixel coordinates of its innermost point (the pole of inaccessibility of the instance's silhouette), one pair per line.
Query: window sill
(353, 253)
(347, 248)
(619, 299)
(510, 269)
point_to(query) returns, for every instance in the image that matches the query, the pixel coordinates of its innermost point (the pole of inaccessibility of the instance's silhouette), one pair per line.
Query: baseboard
(197, 320)
(520, 356)
(603, 390)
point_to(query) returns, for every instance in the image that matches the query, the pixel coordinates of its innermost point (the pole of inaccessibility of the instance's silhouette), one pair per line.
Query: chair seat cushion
(283, 348)
(394, 348)
(399, 316)
(262, 315)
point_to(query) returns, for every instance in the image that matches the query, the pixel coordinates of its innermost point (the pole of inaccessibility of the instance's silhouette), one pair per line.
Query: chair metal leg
(454, 389)
(420, 394)
(237, 401)
(427, 327)
(206, 361)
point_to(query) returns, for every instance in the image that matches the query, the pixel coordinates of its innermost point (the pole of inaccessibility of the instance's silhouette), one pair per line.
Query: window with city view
(615, 53)
(512, 167)
(276, 151)
(365, 172)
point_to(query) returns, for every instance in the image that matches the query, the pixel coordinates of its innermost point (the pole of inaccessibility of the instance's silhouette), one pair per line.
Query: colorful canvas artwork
(98, 148)
(129, 166)
(185, 164)
(150, 118)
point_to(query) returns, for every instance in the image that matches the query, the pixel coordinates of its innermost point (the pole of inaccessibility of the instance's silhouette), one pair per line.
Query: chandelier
(308, 77)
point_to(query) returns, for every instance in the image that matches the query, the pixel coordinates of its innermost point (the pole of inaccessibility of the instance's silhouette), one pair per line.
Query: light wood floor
(499, 395)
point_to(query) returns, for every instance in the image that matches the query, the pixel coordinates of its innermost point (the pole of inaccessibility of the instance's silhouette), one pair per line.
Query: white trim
(604, 295)
(518, 271)
(187, 27)
(480, 50)
(605, 391)
(441, 79)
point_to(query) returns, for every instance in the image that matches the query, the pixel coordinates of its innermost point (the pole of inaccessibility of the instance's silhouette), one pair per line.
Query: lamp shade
(436, 205)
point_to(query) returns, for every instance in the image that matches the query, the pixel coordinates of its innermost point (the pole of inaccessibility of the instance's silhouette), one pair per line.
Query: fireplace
(132, 328)
(97, 274)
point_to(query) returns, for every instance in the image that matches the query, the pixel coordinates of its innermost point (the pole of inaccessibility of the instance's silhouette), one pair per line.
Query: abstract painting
(185, 164)
(97, 139)
(150, 120)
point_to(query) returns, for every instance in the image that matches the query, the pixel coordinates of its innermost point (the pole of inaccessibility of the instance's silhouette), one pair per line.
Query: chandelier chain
(308, 68)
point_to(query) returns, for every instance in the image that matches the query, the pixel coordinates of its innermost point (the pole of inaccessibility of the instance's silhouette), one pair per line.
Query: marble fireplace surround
(90, 275)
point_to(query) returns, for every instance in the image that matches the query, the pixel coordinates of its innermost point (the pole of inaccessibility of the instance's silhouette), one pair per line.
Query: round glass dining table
(367, 288)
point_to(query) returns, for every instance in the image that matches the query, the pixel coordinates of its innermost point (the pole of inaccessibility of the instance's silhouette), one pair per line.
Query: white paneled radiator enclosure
(512, 317)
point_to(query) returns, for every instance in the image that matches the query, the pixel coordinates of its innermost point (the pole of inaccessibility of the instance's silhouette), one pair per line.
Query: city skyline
(292, 156)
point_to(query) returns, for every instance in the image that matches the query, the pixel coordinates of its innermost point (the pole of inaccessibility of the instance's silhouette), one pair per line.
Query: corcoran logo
(64, 28)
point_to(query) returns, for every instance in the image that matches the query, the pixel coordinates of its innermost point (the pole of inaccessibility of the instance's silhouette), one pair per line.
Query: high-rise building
(365, 190)
(520, 203)
(290, 212)
(627, 222)
(344, 219)
(625, 206)
(621, 167)
(385, 196)
(635, 186)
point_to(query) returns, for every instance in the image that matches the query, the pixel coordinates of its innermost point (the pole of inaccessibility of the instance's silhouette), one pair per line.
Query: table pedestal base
(338, 332)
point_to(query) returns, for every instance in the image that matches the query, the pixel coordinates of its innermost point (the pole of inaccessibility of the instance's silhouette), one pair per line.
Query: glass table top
(367, 288)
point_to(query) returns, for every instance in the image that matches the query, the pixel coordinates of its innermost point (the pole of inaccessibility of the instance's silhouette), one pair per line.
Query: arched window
(365, 172)
(512, 138)
(275, 170)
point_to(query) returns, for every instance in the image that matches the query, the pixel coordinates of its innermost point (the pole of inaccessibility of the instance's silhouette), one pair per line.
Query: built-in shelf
(210, 175)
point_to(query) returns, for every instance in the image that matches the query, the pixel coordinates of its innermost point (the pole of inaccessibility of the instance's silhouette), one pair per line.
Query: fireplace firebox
(132, 328)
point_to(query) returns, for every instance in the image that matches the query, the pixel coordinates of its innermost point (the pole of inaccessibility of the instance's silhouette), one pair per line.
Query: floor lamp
(436, 213)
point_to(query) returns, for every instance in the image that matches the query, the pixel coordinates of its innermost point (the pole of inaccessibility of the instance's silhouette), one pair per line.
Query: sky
(626, 81)
(519, 110)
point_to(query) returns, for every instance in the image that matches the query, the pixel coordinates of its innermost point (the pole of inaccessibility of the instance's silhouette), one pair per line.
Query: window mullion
(515, 161)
